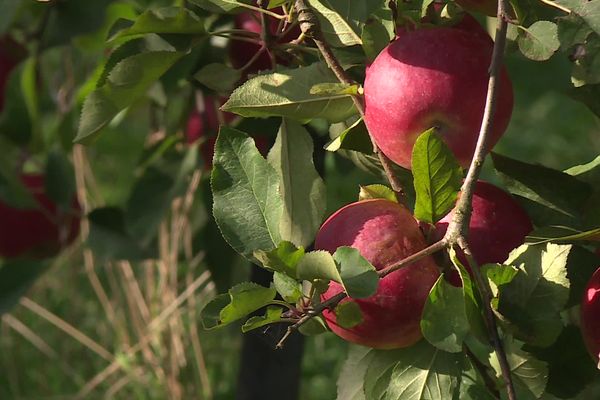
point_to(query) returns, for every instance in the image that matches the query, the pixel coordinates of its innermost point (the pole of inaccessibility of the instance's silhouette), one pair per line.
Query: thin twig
(483, 371)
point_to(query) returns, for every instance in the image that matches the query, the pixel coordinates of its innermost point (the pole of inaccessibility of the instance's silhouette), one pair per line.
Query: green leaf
(287, 94)
(589, 172)
(272, 315)
(540, 41)
(337, 25)
(376, 191)
(284, 258)
(417, 372)
(314, 326)
(498, 275)
(16, 277)
(375, 36)
(444, 322)
(351, 377)
(588, 95)
(561, 234)
(535, 297)
(60, 179)
(167, 20)
(243, 299)
(318, 264)
(538, 185)
(586, 70)
(287, 287)
(437, 177)
(354, 137)
(247, 205)
(302, 189)
(127, 81)
(8, 9)
(218, 77)
(325, 89)
(358, 276)
(572, 30)
(348, 314)
(529, 374)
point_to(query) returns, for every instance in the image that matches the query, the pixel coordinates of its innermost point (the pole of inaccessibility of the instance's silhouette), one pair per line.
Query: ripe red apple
(498, 225)
(241, 52)
(434, 77)
(384, 232)
(38, 232)
(590, 315)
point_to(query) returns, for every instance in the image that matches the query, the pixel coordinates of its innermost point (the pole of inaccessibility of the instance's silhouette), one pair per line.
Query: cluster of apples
(41, 231)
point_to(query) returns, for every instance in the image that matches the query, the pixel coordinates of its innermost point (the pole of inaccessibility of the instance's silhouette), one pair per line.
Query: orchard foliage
(166, 59)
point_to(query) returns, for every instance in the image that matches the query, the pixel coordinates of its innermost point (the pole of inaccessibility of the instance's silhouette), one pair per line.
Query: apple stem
(309, 25)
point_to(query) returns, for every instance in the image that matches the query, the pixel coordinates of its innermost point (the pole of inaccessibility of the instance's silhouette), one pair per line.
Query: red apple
(38, 232)
(590, 315)
(384, 232)
(241, 52)
(433, 77)
(498, 225)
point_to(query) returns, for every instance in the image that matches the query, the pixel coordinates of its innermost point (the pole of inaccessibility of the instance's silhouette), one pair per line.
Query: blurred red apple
(434, 77)
(384, 232)
(39, 232)
(241, 52)
(590, 315)
(498, 225)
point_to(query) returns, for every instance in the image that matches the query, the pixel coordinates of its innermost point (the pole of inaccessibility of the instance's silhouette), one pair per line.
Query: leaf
(314, 326)
(534, 298)
(127, 81)
(539, 41)
(572, 30)
(444, 321)
(60, 179)
(437, 177)
(348, 314)
(272, 315)
(318, 264)
(241, 300)
(376, 191)
(287, 287)
(417, 372)
(498, 275)
(358, 276)
(218, 77)
(287, 94)
(8, 9)
(586, 70)
(354, 137)
(375, 36)
(529, 374)
(16, 276)
(167, 20)
(588, 95)
(538, 185)
(325, 89)
(247, 205)
(351, 377)
(589, 172)
(338, 29)
(284, 258)
(302, 189)
(561, 234)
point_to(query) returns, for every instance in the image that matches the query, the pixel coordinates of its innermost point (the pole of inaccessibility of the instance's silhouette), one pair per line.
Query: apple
(206, 124)
(241, 52)
(498, 225)
(590, 316)
(10, 55)
(38, 232)
(433, 77)
(384, 232)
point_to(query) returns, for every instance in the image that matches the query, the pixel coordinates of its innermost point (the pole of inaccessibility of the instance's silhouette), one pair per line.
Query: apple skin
(40, 232)
(433, 77)
(384, 232)
(241, 52)
(590, 315)
(498, 225)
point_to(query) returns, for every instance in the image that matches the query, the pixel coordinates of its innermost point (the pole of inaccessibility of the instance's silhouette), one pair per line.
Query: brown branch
(309, 25)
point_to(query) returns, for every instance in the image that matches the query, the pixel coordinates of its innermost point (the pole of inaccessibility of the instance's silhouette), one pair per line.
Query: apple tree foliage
(159, 54)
